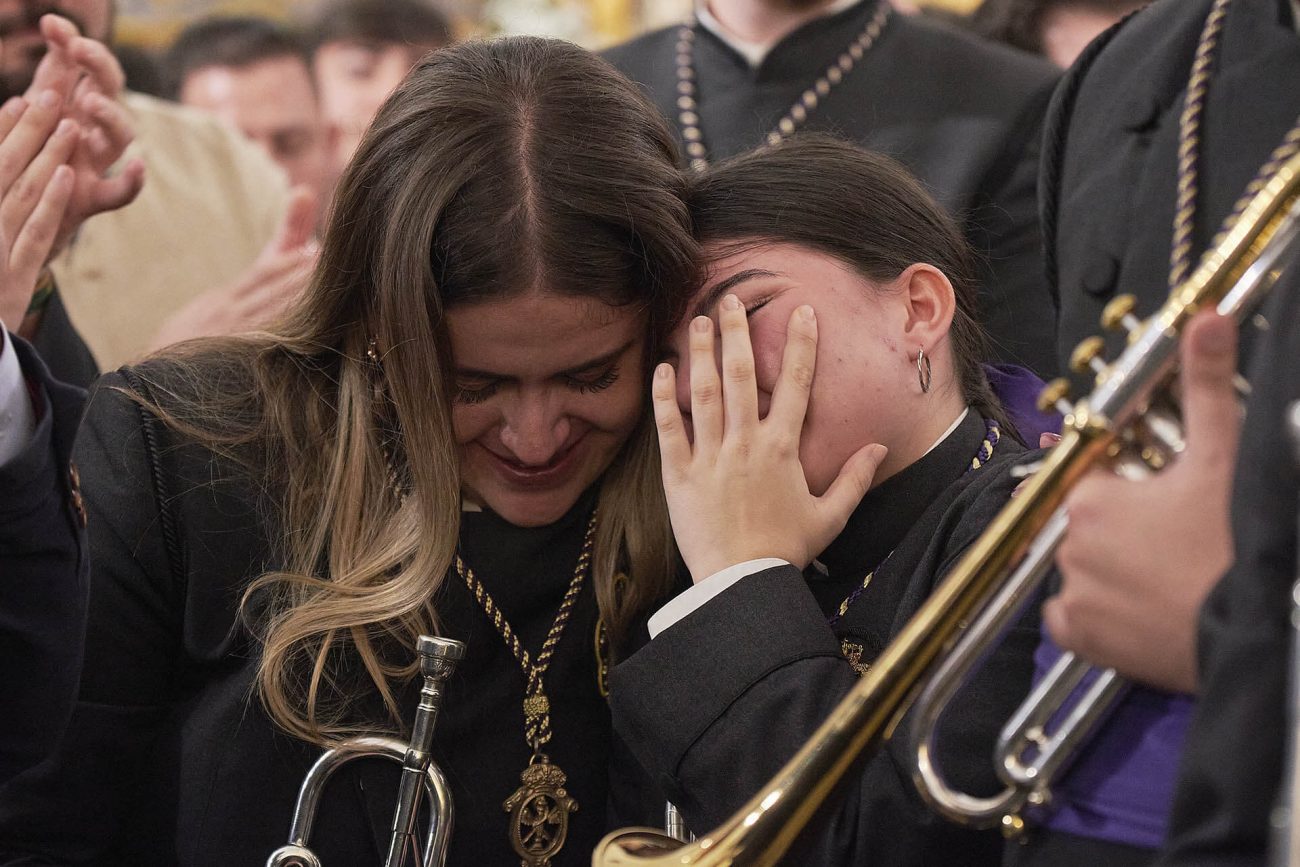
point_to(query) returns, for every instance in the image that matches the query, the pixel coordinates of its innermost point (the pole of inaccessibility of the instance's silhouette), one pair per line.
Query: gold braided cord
(537, 716)
(1189, 142)
(992, 436)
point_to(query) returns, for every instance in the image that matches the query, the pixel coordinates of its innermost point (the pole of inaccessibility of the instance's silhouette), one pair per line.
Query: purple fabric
(1121, 786)
(1018, 389)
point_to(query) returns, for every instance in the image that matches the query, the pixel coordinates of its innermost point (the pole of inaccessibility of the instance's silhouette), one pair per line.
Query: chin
(532, 509)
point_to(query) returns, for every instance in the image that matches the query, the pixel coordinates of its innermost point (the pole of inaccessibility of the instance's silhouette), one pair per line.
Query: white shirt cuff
(689, 600)
(17, 418)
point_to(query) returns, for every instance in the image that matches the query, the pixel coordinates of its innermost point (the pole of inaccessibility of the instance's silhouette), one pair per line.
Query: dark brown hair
(862, 208)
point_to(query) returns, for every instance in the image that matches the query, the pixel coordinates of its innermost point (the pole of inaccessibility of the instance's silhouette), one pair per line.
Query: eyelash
(471, 396)
(761, 303)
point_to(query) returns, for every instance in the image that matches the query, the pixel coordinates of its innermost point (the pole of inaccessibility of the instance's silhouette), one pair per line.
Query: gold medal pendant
(539, 813)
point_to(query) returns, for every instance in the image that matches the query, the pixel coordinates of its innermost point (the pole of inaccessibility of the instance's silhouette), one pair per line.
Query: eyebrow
(585, 367)
(715, 292)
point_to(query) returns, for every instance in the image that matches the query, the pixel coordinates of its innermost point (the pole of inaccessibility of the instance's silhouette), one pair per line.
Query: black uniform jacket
(1110, 167)
(715, 704)
(43, 575)
(170, 759)
(61, 346)
(964, 115)
(1236, 755)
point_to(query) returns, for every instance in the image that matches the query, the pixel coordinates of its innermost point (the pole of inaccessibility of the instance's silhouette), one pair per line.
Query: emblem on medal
(539, 813)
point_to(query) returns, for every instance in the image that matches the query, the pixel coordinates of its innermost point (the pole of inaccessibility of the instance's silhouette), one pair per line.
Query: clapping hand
(36, 185)
(89, 80)
(737, 491)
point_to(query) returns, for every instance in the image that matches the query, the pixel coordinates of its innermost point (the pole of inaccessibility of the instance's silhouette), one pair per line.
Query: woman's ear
(930, 303)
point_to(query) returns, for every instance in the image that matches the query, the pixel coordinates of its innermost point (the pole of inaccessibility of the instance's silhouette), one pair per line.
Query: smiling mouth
(539, 475)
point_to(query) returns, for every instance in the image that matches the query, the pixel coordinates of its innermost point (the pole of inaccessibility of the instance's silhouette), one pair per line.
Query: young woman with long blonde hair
(447, 435)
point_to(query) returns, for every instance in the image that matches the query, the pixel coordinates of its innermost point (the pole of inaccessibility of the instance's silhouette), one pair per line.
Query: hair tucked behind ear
(862, 208)
(496, 169)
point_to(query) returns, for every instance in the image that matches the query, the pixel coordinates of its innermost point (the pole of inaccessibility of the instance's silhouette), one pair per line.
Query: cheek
(471, 421)
(616, 409)
(768, 342)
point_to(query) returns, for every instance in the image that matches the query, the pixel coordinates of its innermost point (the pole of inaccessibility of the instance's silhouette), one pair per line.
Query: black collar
(893, 507)
(804, 52)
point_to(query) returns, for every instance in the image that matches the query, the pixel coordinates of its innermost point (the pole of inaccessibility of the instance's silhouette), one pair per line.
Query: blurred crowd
(301, 94)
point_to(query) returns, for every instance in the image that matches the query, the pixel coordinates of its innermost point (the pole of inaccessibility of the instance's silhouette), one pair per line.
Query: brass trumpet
(420, 776)
(1240, 267)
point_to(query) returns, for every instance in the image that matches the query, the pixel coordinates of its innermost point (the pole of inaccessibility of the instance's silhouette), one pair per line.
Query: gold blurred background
(594, 23)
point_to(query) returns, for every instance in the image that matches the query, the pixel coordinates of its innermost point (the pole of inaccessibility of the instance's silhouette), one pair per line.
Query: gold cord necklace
(688, 115)
(539, 809)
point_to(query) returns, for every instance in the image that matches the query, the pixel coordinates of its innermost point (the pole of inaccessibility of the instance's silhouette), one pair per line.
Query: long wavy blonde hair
(496, 168)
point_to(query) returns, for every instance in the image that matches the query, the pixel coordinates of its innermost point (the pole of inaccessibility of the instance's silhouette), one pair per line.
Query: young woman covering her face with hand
(448, 434)
(795, 390)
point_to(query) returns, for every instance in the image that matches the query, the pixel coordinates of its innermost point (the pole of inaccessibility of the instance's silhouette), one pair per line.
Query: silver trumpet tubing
(420, 776)
(1285, 850)
(1048, 730)
(675, 825)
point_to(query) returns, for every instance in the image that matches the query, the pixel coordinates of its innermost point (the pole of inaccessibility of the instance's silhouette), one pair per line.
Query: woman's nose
(534, 429)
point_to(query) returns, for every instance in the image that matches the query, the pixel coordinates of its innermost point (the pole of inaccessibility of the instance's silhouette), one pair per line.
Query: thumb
(1210, 408)
(844, 494)
(298, 223)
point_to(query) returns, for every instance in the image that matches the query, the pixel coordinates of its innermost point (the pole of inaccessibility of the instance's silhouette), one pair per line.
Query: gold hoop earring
(923, 372)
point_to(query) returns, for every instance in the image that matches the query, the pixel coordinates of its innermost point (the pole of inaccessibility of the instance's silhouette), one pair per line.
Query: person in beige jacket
(185, 254)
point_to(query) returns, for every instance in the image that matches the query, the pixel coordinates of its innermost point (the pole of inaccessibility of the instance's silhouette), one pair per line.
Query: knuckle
(801, 374)
(738, 369)
(706, 390)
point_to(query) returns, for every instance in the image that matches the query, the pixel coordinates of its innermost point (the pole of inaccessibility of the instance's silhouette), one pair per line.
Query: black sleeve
(69, 809)
(43, 588)
(1015, 306)
(1235, 751)
(717, 703)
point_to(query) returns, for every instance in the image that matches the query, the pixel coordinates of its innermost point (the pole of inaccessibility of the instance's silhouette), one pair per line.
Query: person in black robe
(1109, 191)
(43, 558)
(801, 587)
(449, 435)
(964, 115)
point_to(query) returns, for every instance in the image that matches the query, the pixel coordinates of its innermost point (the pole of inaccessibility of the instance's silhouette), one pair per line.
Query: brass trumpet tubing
(763, 830)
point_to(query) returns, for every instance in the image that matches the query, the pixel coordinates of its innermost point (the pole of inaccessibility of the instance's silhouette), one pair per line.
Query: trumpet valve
(1053, 397)
(1012, 827)
(1087, 356)
(1118, 315)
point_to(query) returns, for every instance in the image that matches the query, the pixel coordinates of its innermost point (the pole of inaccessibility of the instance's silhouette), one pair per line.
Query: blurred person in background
(962, 114)
(1056, 29)
(361, 51)
(213, 204)
(255, 75)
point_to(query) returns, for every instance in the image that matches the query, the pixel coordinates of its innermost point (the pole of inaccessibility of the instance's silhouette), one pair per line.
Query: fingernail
(806, 313)
(65, 127)
(15, 106)
(662, 371)
(702, 324)
(48, 99)
(731, 302)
